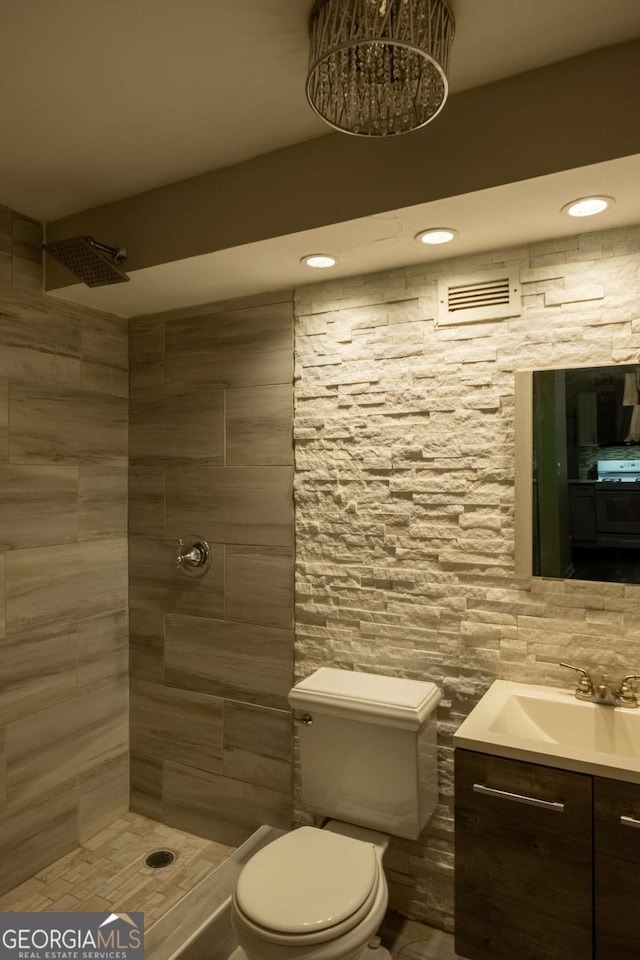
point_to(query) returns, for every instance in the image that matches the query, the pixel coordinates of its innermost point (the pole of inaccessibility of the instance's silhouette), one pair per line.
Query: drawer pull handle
(519, 798)
(629, 822)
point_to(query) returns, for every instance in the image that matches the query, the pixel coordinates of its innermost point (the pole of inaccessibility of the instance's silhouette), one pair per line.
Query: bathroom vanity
(547, 813)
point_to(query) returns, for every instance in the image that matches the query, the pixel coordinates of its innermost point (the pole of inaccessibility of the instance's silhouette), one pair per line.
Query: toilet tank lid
(390, 701)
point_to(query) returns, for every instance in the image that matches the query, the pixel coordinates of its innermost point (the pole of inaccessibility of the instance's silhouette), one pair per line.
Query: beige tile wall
(212, 659)
(405, 494)
(63, 564)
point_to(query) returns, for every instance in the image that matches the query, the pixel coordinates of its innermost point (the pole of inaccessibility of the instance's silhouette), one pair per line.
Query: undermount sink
(549, 726)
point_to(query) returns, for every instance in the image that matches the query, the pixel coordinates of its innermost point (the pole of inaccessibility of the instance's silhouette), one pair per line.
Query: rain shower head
(92, 262)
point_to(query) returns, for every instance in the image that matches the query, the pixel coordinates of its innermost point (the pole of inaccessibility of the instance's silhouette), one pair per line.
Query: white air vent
(492, 295)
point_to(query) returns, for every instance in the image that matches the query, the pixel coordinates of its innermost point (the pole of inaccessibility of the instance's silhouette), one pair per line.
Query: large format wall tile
(102, 500)
(176, 725)
(218, 807)
(257, 746)
(2, 594)
(156, 584)
(38, 670)
(63, 419)
(36, 324)
(57, 744)
(60, 425)
(259, 585)
(105, 355)
(35, 835)
(146, 355)
(234, 660)
(4, 419)
(211, 455)
(146, 644)
(146, 501)
(40, 343)
(146, 785)
(231, 504)
(102, 650)
(103, 795)
(175, 423)
(241, 348)
(3, 774)
(259, 425)
(38, 505)
(49, 584)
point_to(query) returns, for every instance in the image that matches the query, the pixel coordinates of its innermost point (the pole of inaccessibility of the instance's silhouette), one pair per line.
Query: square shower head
(83, 257)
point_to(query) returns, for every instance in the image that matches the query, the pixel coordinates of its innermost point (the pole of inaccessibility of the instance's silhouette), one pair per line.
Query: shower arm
(118, 254)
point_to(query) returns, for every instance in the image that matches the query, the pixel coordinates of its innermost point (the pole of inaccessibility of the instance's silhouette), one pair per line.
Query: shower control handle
(193, 556)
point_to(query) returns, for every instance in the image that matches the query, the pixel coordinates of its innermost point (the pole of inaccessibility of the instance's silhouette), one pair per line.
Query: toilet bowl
(368, 759)
(312, 895)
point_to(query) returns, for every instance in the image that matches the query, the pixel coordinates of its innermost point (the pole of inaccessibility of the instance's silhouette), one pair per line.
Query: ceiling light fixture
(587, 206)
(436, 235)
(379, 67)
(319, 260)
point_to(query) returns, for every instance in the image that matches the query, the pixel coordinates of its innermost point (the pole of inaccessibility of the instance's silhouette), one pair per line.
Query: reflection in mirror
(586, 473)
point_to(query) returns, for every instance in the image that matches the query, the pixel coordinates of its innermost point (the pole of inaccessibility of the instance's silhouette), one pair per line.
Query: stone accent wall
(404, 438)
(211, 454)
(64, 766)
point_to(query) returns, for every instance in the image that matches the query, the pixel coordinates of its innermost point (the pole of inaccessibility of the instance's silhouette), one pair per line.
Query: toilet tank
(368, 748)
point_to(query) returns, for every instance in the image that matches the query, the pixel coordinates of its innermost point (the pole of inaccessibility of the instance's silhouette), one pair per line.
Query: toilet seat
(308, 886)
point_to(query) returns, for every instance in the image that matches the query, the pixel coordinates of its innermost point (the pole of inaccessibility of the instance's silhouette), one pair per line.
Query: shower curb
(198, 926)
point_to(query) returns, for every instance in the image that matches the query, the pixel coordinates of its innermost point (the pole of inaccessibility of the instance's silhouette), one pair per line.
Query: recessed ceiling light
(437, 235)
(319, 260)
(587, 206)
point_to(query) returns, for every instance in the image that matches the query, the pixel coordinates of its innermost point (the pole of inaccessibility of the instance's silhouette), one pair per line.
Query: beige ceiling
(101, 101)
(502, 216)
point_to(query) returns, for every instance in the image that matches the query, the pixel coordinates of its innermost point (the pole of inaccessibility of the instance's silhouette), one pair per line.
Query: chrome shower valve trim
(193, 556)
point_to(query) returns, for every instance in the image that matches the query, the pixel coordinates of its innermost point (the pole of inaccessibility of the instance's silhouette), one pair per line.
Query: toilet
(369, 769)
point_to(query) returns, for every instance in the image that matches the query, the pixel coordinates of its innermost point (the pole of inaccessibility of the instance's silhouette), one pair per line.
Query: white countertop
(548, 725)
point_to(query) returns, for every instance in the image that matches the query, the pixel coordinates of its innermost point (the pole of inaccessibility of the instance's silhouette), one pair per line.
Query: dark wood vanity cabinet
(616, 838)
(552, 879)
(523, 870)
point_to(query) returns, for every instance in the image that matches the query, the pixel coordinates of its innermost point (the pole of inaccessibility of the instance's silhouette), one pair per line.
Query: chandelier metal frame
(378, 68)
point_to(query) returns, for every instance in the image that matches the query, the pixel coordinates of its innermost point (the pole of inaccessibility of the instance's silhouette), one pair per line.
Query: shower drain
(160, 858)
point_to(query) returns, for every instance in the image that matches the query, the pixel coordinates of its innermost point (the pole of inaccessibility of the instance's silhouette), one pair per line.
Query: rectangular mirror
(578, 473)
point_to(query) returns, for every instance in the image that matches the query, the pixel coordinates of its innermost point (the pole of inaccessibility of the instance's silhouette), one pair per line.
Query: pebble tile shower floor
(108, 872)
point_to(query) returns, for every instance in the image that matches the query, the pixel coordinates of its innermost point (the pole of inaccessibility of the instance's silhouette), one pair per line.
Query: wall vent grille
(488, 296)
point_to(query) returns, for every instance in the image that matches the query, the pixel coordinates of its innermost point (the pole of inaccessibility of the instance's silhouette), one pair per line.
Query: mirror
(578, 473)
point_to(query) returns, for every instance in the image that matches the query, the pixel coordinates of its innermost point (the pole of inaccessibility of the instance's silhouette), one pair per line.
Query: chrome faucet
(624, 696)
(604, 693)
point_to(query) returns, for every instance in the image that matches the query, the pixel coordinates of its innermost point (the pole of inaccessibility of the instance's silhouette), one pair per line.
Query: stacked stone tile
(404, 439)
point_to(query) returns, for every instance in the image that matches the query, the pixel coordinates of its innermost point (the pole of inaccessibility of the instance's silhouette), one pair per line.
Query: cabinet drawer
(523, 860)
